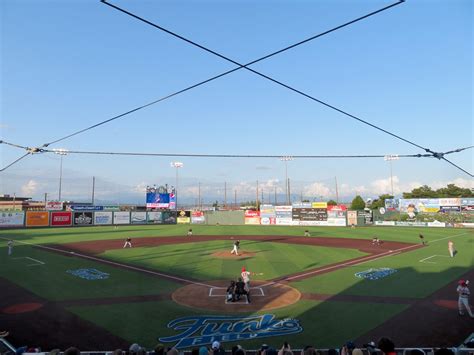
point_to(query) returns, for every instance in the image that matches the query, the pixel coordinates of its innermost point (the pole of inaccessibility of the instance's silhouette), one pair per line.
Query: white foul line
(114, 263)
(360, 261)
(27, 257)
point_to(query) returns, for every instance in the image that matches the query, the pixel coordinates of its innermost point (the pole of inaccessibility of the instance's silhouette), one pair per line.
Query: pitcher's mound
(213, 298)
(228, 255)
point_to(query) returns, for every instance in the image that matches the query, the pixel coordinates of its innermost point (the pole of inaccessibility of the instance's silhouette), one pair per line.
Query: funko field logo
(203, 330)
(89, 274)
(375, 274)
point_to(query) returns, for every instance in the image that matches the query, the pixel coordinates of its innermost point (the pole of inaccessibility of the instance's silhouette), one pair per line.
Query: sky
(68, 65)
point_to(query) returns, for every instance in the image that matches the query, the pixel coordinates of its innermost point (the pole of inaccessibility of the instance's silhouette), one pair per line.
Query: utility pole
(235, 198)
(199, 196)
(45, 198)
(390, 158)
(225, 194)
(176, 165)
(261, 200)
(256, 201)
(275, 196)
(286, 159)
(289, 193)
(93, 189)
(337, 193)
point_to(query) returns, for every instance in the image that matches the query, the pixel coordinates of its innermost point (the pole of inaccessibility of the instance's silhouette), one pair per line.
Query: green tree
(332, 203)
(380, 202)
(420, 192)
(454, 191)
(358, 203)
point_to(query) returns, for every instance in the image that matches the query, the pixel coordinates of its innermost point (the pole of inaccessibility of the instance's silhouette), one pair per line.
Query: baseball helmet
(243, 268)
(461, 282)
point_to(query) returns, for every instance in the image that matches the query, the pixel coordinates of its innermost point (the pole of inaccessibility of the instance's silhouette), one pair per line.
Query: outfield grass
(195, 260)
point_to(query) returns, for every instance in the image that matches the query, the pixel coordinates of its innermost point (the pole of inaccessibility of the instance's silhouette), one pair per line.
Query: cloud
(30, 188)
(262, 167)
(318, 189)
(139, 189)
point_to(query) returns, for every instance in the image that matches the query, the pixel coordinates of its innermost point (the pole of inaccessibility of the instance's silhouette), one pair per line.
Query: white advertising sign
(102, 218)
(8, 219)
(121, 217)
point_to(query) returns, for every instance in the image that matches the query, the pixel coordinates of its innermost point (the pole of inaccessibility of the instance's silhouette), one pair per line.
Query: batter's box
(221, 292)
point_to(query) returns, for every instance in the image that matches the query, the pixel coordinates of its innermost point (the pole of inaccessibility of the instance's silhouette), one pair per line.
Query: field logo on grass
(89, 274)
(203, 330)
(375, 274)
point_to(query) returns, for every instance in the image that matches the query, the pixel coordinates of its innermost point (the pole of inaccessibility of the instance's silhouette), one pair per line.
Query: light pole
(286, 159)
(176, 165)
(390, 158)
(62, 153)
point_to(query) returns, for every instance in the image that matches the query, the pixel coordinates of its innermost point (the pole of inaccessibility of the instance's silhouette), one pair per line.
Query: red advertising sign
(337, 208)
(252, 213)
(61, 218)
(197, 214)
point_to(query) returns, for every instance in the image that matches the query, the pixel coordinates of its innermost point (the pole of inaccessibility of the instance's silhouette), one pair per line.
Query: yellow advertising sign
(37, 219)
(319, 205)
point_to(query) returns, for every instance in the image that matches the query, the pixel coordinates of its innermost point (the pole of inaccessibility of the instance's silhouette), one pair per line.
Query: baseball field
(81, 287)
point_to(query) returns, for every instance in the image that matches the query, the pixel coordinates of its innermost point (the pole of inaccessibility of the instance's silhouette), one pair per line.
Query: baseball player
(451, 248)
(422, 239)
(10, 247)
(128, 242)
(306, 233)
(190, 232)
(463, 300)
(245, 275)
(236, 248)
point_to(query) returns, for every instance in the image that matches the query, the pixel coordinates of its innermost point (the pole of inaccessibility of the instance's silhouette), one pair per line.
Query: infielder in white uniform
(128, 243)
(235, 250)
(451, 248)
(463, 300)
(10, 247)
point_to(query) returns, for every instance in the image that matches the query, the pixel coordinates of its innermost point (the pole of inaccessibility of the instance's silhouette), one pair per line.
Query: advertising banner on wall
(450, 202)
(267, 220)
(37, 219)
(102, 218)
(448, 209)
(138, 217)
(197, 217)
(310, 214)
(169, 217)
(267, 211)
(11, 219)
(392, 204)
(301, 204)
(338, 211)
(352, 218)
(154, 217)
(82, 218)
(121, 217)
(54, 206)
(184, 217)
(367, 215)
(284, 215)
(319, 205)
(337, 222)
(61, 219)
(251, 217)
(467, 204)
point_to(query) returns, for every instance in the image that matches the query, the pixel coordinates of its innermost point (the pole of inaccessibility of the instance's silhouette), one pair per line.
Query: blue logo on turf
(203, 330)
(375, 274)
(89, 274)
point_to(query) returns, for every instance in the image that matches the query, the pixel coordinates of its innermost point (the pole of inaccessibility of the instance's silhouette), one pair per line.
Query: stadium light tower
(391, 158)
(176, 165)
(286, 159)
(62, 153)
